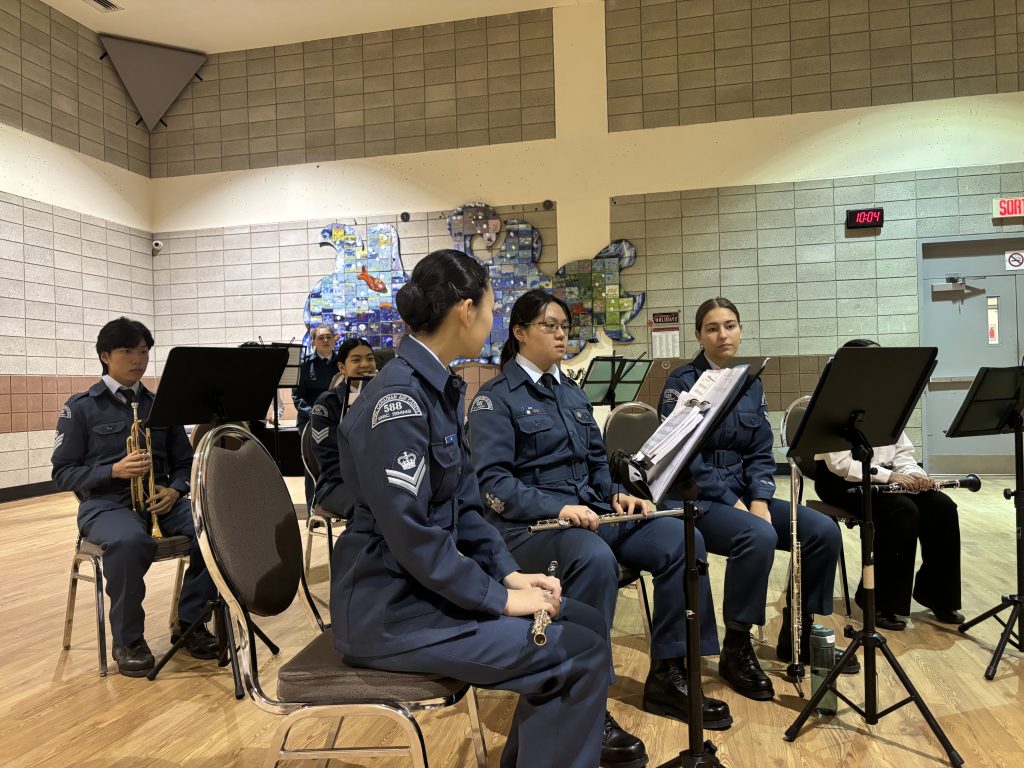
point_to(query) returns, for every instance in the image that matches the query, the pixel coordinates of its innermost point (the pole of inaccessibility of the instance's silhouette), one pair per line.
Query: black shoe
(620, 749)
(890, 621)
(739, 667)
(947, 615)
(201, 644)
(666, 693)
(784, 648)
(134, 659)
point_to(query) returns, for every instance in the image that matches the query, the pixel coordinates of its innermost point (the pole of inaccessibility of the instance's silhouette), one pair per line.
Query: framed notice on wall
(664, 327)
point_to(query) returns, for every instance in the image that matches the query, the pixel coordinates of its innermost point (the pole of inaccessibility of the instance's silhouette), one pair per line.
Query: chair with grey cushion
(319, 522)
(167, 548)
(626, 429)
(807, 467)
(245, 522)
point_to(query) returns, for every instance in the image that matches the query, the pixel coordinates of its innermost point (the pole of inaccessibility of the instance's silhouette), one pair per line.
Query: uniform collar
(427, 364)
(534, 372)
(517, 376)
(110, 384)
(701, 362)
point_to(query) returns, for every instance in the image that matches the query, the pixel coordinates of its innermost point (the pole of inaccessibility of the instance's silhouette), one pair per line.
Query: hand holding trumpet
(135, 464)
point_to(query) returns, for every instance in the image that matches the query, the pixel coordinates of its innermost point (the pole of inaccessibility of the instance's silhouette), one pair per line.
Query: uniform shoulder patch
(58, 440)
(319, 435)
(65, 412)
(320, 410)
(411, 469)
(395, 405)
(481, 403)
(670, 395)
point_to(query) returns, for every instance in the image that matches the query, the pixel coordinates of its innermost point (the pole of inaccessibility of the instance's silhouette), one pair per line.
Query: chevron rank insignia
(320, 410)
(396, 405)
(481, 403)
(65, 412)
(409, 476)
(58, 439)
(319, 434)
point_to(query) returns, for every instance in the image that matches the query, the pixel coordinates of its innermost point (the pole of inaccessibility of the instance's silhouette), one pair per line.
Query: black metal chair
(807, 466)
(245, 522)
(627, 428)
(167, 548)
(319, 522)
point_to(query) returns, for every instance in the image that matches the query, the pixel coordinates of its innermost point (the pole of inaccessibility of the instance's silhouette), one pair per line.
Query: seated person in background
(900, 520)
(420, 581)
(743, 520)
(539, 454)
(355, 360)
(89, 458)
(314, 378)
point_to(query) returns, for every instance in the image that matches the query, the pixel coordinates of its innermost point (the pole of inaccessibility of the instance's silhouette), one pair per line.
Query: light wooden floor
(56, 711)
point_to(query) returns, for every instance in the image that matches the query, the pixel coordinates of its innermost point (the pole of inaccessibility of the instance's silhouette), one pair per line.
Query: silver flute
(542, 619)
(795, 670)
(558, 523)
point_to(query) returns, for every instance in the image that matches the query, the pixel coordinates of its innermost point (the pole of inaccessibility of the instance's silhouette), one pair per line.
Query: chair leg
(69, 614)
(477, 733)
(101, 615)
(330, 741)
(645, 607)
(176, 594)
(309, 544)
(330, 540)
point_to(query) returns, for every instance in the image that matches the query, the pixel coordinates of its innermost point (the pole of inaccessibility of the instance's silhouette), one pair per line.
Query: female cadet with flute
(743, 520)
(901, 520)
(420, 581)
(539, 455)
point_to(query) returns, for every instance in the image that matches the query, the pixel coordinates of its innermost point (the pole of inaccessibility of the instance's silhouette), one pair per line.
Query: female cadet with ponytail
(539, 454)
(420, 581)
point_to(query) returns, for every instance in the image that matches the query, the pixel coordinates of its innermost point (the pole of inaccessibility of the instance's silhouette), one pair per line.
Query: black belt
(723, 458)
(538, 476)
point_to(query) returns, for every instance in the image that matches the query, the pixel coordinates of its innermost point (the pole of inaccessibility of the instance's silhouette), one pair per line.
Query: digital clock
(865, 217)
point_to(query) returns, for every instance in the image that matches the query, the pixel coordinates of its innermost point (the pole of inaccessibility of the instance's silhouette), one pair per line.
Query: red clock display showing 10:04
(866, 217)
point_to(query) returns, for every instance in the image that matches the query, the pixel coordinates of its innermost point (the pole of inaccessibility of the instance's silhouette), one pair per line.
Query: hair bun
(412, 305)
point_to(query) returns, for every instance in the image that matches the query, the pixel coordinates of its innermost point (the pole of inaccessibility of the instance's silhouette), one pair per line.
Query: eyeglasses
(549, 327)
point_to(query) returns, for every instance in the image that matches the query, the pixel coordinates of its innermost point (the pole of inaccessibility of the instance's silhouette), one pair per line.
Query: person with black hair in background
(742, 518)
(539, 454)
(315, 376)
(900, 521)
(355, 361)
(90, 459)
(420, 581)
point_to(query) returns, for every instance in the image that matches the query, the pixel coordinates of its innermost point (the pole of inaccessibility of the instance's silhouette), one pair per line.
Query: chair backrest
(245, 522)
(790, 421)
(628, 427)
(308, 454)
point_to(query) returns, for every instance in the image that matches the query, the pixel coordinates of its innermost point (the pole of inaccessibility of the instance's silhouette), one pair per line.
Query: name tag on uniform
(531, 410)
(451, 439)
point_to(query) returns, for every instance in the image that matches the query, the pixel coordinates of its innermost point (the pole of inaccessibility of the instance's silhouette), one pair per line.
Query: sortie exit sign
(1008, 207)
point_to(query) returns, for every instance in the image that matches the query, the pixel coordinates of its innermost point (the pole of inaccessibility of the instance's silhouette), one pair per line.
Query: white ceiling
(211, 26)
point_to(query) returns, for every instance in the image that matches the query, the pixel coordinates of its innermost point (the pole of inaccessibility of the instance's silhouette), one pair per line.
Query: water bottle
(823, 659)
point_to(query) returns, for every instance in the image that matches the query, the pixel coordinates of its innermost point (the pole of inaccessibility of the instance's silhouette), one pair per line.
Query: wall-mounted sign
(665, 318)
(863, 218)
(1007, 207)
(1014, 260)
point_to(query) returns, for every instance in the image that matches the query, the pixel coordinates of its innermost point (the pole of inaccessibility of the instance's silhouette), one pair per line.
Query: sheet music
(672, 445)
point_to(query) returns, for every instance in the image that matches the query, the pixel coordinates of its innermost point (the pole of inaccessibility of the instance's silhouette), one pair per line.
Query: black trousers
(901, 520)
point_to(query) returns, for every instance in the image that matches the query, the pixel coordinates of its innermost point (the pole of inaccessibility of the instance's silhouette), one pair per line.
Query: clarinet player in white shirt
(901, 520)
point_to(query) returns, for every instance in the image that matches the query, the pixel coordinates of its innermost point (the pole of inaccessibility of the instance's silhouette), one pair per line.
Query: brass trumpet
(143, 487)
(971, 483)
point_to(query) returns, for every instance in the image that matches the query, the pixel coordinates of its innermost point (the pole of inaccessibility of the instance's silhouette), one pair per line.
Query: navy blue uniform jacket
(418, 563)
(91, 432)
(737, 461)
(331, 492)
(314, 378)
(535, 451)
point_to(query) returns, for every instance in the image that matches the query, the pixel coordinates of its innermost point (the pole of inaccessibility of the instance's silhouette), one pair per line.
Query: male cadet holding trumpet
(90, 458)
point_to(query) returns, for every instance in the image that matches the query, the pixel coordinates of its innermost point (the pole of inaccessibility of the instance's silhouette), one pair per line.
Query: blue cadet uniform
(91, 432)
(737, 463)
(314, 379)
(416, 577)
(535, 450)
(331, 494)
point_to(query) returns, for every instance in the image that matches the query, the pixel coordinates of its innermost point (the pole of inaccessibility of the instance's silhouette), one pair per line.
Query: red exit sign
(1007, 207)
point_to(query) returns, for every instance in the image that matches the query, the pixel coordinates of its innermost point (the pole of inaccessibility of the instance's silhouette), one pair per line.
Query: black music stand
(289, 378)
(993, 407)
(632, 475)
(216, 384)
(613, 380)
(849, 410)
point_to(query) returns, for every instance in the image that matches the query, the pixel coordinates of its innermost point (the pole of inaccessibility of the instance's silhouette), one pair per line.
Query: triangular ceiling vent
(153, 75)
